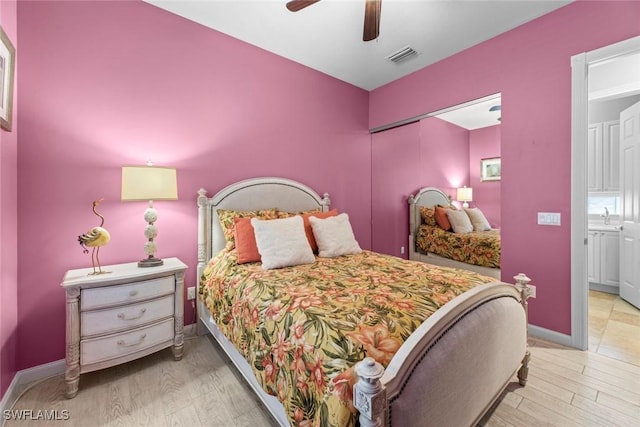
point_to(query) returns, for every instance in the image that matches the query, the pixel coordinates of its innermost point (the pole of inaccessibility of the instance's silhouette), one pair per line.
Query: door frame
(579, 121)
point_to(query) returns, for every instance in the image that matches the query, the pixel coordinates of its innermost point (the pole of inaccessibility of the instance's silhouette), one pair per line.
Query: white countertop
(603, 227)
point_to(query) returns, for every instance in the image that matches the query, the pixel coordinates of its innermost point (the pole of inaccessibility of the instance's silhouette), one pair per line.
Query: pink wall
(9, 222)
(485, 143)
(428, 153)
(391, 170)
(106, 84)
(444, 155)
(530, 66)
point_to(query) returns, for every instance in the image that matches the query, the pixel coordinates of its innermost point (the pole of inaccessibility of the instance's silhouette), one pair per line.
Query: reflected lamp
(465, 195)
(149, 183)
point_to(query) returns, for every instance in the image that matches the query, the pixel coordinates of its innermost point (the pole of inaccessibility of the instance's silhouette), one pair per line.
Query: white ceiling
(473, 115)
(327, 36)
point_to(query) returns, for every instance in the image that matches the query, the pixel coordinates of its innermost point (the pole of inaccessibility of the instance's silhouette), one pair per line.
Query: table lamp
(465, 195)
(149, 183)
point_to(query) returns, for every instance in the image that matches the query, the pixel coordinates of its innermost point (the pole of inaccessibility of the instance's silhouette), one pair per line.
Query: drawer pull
(121, 343)
(124, 316)
(133, 293)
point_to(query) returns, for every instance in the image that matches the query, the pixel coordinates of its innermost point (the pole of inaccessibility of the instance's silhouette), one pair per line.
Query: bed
(427, 379)
(476, 251)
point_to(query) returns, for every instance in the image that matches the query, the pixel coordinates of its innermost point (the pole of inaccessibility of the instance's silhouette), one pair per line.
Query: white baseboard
(615, 290)
(549, 335)
(26, 378)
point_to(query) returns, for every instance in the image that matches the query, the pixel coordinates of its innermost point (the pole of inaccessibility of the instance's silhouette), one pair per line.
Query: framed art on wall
(490, 169)
(7, 68)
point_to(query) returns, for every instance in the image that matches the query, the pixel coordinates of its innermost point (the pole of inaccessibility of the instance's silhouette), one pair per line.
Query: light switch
(549, 218)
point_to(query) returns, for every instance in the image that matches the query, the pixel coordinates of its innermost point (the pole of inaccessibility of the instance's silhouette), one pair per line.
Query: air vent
(402, 55)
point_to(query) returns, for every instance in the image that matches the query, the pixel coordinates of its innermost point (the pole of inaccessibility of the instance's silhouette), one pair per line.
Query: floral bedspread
(478, 247)
(303, 328)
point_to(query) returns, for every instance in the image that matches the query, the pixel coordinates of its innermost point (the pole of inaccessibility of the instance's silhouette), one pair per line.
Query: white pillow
(460, 221)
(478, 220)
(334, 236)
(282, 242)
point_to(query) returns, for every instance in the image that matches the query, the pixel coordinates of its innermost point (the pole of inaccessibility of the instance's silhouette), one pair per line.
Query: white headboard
(429, 197)
(250, 194)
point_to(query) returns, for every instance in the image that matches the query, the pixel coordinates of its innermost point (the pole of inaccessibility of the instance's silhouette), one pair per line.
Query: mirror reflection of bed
(442, 150)
(442, 234)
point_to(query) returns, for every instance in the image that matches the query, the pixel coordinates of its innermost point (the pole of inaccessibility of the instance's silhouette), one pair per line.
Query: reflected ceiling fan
(372, 10)
(496, 108)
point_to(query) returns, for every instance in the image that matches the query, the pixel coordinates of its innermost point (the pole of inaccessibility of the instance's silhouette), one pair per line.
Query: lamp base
(150, 262)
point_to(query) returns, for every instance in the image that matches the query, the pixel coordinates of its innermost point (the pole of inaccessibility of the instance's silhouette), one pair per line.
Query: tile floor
(614, 327)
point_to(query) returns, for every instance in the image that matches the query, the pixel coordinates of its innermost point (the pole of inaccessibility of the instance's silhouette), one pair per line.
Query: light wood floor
(566, 387)
(614, 327)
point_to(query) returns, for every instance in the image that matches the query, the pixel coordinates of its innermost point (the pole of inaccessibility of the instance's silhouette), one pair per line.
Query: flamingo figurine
(95, 239)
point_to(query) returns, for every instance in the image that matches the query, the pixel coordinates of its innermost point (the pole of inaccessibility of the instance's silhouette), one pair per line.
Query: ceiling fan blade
(372, 9)
(296, 5)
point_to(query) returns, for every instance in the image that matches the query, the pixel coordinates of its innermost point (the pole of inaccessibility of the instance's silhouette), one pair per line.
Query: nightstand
(122, 315)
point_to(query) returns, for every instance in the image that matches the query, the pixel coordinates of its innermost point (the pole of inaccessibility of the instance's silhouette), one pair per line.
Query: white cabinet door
(594, 157)
(610, 258)
(611, 156)
(593, 256)
(603, 156)
(603, 259)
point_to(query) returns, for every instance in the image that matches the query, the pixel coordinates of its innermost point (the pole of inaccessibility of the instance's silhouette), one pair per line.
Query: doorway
(579, 278)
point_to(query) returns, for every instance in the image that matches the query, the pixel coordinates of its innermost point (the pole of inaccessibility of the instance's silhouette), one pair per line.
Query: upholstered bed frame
(429, 197)
(450, 370)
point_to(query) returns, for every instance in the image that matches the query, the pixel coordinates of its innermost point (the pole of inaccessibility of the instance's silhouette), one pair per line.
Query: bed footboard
(452, 371)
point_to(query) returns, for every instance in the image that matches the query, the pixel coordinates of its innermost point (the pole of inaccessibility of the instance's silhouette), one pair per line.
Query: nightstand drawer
(116, 319)
(124, 294)
(116, 345)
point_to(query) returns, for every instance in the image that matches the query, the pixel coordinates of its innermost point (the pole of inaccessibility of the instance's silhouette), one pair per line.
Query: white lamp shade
(465, 194)
(149, 183)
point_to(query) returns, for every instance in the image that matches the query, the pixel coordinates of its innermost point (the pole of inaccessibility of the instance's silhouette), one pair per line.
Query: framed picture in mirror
(490, 169)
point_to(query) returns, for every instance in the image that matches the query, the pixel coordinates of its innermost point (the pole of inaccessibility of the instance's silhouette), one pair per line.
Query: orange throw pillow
(442, 219)
(245, 239)
(307, 226)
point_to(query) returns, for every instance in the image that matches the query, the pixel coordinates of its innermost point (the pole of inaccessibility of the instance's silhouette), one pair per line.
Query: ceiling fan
(372, 10)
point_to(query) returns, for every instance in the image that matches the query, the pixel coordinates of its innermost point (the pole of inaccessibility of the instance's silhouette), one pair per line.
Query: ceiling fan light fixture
(402, 55)
(296, 5)
(372, 10)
